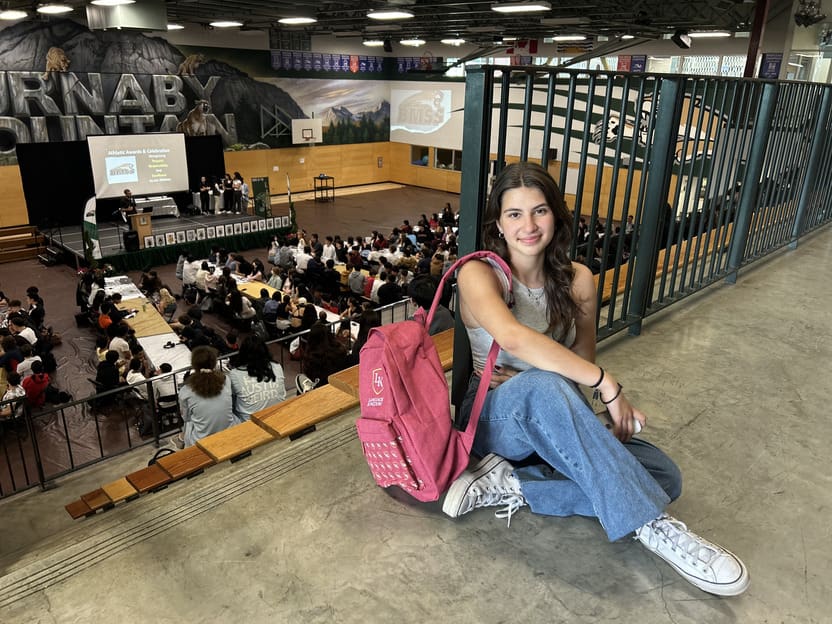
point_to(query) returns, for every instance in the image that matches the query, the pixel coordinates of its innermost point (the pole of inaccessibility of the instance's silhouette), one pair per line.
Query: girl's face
(526, 221)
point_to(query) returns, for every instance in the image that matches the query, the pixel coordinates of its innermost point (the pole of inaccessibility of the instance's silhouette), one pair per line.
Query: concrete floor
(735, 381)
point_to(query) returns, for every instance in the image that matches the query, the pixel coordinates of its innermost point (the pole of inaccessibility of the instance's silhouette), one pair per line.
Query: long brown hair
(204, 379)
(557, 266)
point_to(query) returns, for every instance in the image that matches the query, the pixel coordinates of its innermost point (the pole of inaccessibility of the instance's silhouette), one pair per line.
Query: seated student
(36, 310)
(135, 375)
(422, 290)
(118, 341)
(323, 354)
(368, 319)
(102, 345)
(276, 278)
(205, 397)
(14, 390)
(150, 283)
(116, 314)
(240, 306)
(201, 280)
(256, 381)
(356, 280)
(232, 341)
(166, 302)
(257, 272)
(390, 292)
(11, 354)
(270, 307)
(24, 367)
(35, 386)
(18, 327)
(107, 374)
(534, 411)
(164, 387)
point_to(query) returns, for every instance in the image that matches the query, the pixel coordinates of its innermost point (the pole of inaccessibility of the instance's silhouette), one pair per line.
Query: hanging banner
(92, 247)
(262, 198)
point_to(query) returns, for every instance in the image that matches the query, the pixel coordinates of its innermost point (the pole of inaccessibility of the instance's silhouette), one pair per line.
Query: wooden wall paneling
(12, 202)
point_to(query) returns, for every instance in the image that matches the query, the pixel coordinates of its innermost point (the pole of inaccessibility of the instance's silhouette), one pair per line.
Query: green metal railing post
(815, 156)
(751, 179)
(658, 171)
(476, 142)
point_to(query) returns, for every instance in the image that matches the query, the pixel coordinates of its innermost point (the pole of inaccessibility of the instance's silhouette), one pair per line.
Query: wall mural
(59, 81)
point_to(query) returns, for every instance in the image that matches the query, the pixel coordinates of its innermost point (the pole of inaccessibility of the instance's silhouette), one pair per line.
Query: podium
(140, 223)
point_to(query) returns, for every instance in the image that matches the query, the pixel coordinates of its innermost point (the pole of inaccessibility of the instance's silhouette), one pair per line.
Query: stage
(169, 234)
(358, 209)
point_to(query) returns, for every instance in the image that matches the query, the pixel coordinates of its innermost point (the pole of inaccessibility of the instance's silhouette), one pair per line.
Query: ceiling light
(681, 38)
(709, 34)
(521, 7)
(413, 43)
(12, 14)
(627, 37)
(176, 27)
(453, 42)
(569, 38)
(226, 24)
(390, 14)
(373, 43)
(111, 2)
(297, 21)
(54, 9)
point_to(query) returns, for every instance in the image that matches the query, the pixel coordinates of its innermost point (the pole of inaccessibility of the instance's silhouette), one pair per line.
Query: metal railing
(714, 173)
(86, 431)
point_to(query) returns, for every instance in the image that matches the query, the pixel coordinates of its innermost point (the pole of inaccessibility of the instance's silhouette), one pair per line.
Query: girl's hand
(622, 414)
(500, 375)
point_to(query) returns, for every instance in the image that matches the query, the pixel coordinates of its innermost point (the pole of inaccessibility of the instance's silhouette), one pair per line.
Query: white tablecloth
(123, 285)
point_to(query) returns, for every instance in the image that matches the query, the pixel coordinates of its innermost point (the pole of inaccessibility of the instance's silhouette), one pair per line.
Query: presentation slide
(147, 164)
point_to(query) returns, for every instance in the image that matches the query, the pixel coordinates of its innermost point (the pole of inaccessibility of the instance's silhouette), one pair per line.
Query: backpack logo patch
(378, 381)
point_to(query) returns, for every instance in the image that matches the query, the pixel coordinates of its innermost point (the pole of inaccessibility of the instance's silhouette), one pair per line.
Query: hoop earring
(501, 235)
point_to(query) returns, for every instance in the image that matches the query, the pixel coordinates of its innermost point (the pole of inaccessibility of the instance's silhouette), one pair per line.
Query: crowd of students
(26, 358)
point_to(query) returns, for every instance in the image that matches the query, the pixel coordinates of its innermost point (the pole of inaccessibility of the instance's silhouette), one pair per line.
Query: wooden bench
(286, 419)
(347, 379)
(305, 411)
(97, 499)
(120, 490)
(188, 462)
(235, 442)
(78, 509)
(150, 479)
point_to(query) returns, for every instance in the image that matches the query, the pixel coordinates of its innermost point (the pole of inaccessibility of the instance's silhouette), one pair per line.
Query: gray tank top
(529, 309)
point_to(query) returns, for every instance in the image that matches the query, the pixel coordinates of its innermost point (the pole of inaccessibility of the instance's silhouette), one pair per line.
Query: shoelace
(689, 544)
(494, 496)
(513, 502)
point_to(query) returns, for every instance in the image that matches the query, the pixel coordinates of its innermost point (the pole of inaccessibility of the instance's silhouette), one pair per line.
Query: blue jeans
(585, 470)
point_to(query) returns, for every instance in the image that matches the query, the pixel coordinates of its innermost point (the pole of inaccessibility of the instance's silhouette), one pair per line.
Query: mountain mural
(125, 63)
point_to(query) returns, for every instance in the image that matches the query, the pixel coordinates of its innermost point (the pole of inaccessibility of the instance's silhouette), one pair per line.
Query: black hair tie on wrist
(617, 394)
(600, 379)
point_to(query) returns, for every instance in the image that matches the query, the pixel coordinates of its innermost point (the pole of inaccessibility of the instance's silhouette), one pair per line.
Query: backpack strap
(504, 272)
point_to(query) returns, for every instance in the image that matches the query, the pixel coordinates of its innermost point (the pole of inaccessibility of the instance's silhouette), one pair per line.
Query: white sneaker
(489, 484)
(304, 384)
(709, 567)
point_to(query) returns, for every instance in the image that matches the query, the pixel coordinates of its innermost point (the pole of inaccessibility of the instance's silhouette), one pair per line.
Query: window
(448, 159)
(419, 155)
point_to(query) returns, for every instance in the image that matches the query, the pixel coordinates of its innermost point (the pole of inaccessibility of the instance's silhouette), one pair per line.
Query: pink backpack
(405, 426)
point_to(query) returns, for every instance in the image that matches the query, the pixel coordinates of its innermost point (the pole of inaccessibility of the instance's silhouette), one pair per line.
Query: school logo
(378, 381)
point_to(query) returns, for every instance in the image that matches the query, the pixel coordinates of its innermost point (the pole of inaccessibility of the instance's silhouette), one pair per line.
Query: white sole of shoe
(718, 589)
(459, 488)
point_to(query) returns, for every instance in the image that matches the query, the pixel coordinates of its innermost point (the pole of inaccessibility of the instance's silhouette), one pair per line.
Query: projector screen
(147, 164)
